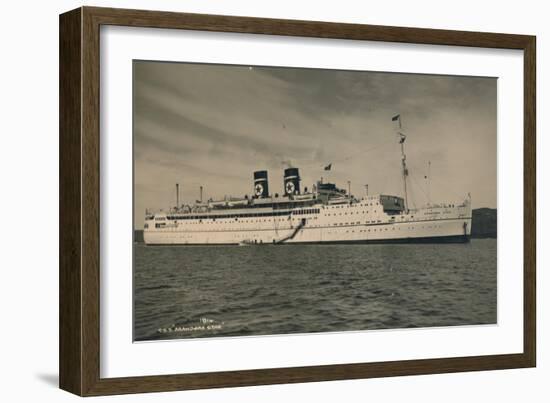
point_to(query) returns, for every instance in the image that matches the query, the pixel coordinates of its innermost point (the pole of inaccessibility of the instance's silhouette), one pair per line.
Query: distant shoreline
(484, 224)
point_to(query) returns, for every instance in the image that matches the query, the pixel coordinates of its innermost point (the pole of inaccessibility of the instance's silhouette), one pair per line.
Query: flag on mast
(328, 167)
(398, 119)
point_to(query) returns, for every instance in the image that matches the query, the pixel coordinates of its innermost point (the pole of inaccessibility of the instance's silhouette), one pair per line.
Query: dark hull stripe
(431, 239)
(425, 240)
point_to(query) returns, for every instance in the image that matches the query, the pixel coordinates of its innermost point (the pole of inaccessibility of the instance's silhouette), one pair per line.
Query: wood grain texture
(80, 196)
(90, 201)
(530, 202)
(316, 29)
(70, 271)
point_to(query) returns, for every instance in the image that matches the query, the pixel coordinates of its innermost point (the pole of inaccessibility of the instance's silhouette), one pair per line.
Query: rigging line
(365, 151)
(413, 177)
(412, 195)
(441, 184)
(351, 155)
(412, 199)
(447, 188)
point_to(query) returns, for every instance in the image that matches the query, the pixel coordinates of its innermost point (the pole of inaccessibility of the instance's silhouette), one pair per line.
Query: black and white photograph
(277, 201)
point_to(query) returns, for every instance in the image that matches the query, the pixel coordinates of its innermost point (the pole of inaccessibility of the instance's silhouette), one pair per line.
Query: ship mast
(177, 196)
(404, 169)
(429, 177)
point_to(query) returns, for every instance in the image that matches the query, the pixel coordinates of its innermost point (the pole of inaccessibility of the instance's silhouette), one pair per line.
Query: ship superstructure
(324, 214)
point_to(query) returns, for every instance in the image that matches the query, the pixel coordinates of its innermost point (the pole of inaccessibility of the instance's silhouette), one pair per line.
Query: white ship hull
(361, 222)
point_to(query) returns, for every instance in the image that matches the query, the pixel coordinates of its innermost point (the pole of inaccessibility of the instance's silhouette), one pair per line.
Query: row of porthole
(233, 221)
(362, 205)
(358, 212)
(335, 224)
(393, 229)
(374, 230)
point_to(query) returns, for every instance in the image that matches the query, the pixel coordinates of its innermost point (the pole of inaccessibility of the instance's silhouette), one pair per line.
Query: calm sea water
(189, 292)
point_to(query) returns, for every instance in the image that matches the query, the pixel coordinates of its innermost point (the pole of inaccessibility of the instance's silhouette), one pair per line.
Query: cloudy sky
(213, 125)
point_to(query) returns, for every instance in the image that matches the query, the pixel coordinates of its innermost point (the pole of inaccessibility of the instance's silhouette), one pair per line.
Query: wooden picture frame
(79, 278)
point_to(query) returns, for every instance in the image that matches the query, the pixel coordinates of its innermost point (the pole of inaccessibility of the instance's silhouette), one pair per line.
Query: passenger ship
(326, 214)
